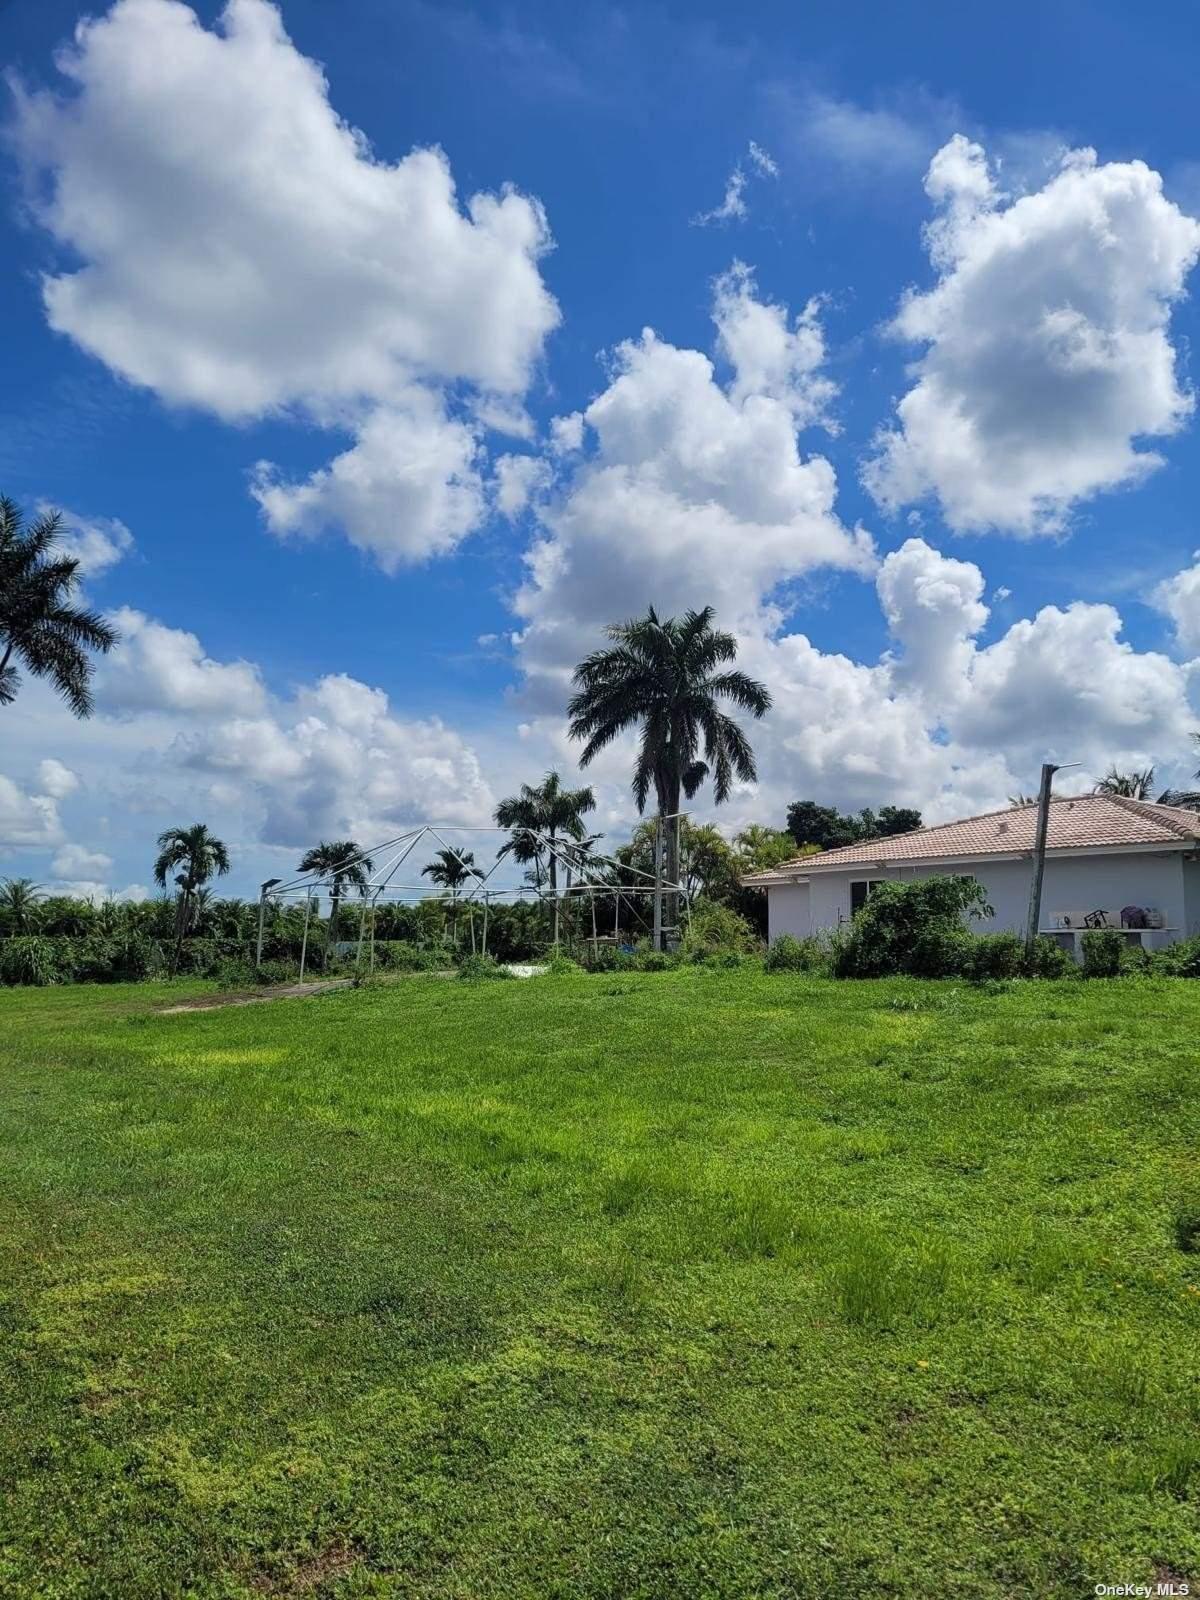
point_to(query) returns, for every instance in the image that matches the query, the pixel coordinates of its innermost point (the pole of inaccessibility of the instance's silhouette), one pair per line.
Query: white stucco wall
(1072, 884)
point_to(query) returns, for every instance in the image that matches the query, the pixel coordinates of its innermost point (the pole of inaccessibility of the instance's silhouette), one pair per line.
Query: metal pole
(304, 941)
(658, 889)
(487, 898)
(1039, 857)
(362, 926)
(262, 915)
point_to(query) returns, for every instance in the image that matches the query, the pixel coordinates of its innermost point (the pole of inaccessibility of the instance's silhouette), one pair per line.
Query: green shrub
(789, 954)
(31, 959)
(476, 969)
(651, 960)
(995, 955)
(401, 955)
(912, 927)
(267, 973)
(1051, 959)
(1180, 960)
(940, 952)
(1102, 952)
(716, 930)
(560, 966)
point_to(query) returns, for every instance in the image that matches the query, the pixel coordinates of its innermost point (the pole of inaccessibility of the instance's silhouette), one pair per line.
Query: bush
(31, 959)
(1102, 952)
(789, 954)
(401, 955)
(560, 966)
(912, 927)
(476, 969)
(995, 955)
(716, 930)
(1180, 960)
(1051, 959)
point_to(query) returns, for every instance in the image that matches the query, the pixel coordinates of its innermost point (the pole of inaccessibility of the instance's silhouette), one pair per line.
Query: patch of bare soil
(310, 1575)
(254, 997)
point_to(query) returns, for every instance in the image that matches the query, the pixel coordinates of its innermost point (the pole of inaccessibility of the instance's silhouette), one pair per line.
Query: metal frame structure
(583, 884)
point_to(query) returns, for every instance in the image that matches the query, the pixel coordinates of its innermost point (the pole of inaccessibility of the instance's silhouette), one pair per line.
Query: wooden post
(1039, 857)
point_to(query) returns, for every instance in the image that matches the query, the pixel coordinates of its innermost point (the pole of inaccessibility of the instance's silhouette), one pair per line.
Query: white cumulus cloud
(256, 255)
(77, 861)
(157, 668)
(696, 490)
(1047, 349)
(1178, 598)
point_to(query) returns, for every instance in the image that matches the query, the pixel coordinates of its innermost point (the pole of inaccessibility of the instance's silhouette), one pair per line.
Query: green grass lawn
(697, 1284)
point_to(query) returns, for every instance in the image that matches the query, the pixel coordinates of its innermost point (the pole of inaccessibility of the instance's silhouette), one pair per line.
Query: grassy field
(698, 1284)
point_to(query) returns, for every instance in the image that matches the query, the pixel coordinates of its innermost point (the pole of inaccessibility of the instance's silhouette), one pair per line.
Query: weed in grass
(1173, 1468)
(1185, 1228)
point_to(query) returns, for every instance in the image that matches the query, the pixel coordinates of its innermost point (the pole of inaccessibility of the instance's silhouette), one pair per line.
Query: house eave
(781, 876)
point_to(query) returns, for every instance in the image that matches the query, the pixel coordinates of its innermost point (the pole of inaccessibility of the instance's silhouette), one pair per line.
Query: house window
(860, 891)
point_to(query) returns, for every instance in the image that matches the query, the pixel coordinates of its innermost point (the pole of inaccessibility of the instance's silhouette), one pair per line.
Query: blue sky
(258, 289)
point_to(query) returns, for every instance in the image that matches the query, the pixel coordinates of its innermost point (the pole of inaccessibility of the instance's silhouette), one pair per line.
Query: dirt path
(255, 997)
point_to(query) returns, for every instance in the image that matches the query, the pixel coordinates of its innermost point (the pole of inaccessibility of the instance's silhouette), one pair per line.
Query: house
(1109, 861)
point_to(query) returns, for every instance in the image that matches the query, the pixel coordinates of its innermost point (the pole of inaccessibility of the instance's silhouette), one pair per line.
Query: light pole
(1039, 852)
(262, 912)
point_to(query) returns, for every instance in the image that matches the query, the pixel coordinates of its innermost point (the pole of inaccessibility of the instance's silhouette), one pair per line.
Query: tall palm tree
(199, 855)
(1126, 785)
(451, 869)
(19, 902)
(39, 627)
(667, 678)
(346, 867)
(546, 812)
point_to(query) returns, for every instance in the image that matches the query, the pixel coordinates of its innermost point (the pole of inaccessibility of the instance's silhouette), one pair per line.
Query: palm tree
(1126, 785)
(38, 624)
(19, 902)
(667, 678)
(451, 869)
(345, 866)
(543, 814)
(199, 855)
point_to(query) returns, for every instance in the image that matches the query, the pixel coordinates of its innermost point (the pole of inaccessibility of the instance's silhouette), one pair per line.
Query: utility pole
(1039, 856)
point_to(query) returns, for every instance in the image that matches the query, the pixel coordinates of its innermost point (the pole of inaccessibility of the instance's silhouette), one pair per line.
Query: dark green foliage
(995, 955)
(789, 954)
(714, 930)
(400, 956)
(477, 968)
(1180, 960)
(32, 959)
(1103, 950)
(828, 828)
(1051, 959)
(916, 927)
(1185, 1228)
(560, 966)
(40, 629)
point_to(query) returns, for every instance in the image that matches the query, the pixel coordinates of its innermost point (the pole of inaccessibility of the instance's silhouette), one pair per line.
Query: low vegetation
(698, 1282)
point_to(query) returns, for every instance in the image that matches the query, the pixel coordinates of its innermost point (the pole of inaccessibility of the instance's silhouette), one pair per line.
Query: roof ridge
(857, 844)
(1170, 816)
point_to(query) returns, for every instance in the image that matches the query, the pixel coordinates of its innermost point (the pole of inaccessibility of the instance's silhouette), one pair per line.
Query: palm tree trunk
(182, 912)
(335, 900)
(669, 803)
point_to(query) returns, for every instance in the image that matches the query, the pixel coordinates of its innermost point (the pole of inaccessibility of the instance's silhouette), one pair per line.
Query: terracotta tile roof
(1090, 821)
